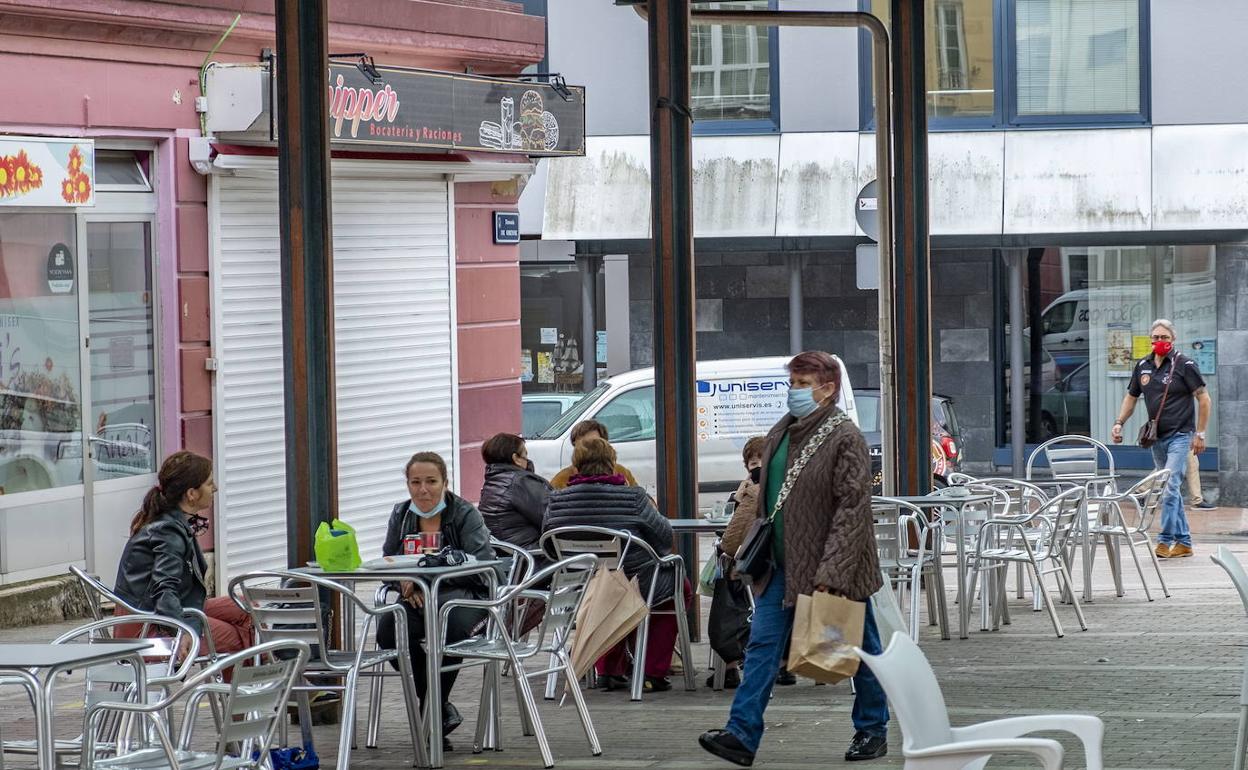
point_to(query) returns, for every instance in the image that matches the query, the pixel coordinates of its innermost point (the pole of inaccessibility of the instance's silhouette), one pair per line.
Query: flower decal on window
(18, 175)
(76, 188)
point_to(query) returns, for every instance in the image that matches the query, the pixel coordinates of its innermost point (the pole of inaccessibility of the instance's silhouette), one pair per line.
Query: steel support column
(671, 196)
(912, 328)
(796, 312)
(588, 264)
(1018, 419)
(307, 272)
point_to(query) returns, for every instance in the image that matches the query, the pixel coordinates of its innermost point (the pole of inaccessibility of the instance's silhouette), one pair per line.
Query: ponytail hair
(181, 472)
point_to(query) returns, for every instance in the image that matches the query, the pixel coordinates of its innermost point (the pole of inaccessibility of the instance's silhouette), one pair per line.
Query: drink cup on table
(430, 542)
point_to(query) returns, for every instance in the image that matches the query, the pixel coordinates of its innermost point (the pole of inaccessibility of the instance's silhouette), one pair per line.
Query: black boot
(866, 746)
(725, 745)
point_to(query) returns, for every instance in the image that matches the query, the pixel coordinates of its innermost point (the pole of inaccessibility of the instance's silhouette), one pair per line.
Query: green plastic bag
(336, 547)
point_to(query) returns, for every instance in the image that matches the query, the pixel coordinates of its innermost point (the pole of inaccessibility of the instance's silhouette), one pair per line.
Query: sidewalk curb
(39, 602)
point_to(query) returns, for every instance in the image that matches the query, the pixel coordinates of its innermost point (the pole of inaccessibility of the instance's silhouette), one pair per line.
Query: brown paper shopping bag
(611, 610)
(826, 628)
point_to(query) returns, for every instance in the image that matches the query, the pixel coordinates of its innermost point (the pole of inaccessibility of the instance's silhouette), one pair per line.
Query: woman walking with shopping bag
(812, 532)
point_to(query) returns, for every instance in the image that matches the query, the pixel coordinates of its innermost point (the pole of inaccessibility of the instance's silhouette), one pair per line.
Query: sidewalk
(1164, 676)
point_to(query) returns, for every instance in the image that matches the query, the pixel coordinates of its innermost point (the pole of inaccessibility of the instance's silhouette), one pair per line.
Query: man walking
(1172, 388)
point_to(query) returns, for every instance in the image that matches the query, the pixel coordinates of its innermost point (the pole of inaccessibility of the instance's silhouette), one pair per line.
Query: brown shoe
(1179, 550)
(1162, 550)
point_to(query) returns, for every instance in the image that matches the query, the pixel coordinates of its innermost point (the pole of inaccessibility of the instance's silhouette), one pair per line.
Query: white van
(736, 399)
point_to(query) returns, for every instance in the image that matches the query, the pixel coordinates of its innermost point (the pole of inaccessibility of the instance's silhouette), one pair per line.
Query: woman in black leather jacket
(162, 567)
(513, 498)
(599, 497)
(434, 508)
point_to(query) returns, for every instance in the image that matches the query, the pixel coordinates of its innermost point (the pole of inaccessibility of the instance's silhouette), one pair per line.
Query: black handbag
(728, 628)
(754, 560)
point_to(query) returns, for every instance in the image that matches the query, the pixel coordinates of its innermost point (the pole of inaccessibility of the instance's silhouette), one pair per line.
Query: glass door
(121, 352)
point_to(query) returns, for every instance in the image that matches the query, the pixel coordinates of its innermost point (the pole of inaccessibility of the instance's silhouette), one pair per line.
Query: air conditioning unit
(240, 102)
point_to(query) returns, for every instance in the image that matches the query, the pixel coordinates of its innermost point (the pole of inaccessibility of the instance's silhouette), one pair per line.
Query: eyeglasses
(1162, 338)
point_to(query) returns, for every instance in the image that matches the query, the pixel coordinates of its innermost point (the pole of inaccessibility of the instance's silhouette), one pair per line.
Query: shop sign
(60, 269)
(40, 171)
(506, 227)
(423, 108)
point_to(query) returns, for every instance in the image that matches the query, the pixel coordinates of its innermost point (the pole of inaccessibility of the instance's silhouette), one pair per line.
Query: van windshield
(573, 415)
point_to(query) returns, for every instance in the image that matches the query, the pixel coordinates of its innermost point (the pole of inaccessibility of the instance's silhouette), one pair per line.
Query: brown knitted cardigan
(829, 536)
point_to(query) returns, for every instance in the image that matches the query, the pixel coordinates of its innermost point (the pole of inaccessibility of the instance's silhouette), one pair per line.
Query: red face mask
(1162, 347)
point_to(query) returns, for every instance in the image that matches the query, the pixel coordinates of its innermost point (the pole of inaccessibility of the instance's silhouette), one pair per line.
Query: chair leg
(530, 705)
(552, 680)
(682, 636)
(1152, 554)
(916, 573)
(415, 718)
(1038, 582)
(374, 710)
(1070, 585)
(1138, 568)
(1115, 564)
(929, 589)
(942, 606)
(1018, 578)
(637, 685)
(526, 724)
(582, 709)
(348, 718)
(1241, 737)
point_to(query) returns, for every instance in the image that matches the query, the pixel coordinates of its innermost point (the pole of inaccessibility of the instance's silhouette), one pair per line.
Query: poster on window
(1118, 361)
(526, 365)
(39, 171)
(1204, 353)
(545, 367)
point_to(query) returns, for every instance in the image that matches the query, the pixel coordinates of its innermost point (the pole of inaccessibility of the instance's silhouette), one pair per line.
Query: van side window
(630, 416)
(1059, 319)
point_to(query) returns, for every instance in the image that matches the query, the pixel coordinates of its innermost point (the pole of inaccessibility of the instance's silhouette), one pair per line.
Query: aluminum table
(37, 665)
(429, 580)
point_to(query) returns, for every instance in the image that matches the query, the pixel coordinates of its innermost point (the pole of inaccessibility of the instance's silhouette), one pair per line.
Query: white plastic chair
(286, 605)
(566, 581)
(610, 546)
(254, 705)
(1007, 540)
(909, 546)
(1145, 497)
(931, 743)
(1225, 559)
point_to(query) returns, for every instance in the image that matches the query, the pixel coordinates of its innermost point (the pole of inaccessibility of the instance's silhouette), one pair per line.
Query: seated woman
(598, 496)
(581, 432)
(513, 498)
(162, 567)
(434, 508)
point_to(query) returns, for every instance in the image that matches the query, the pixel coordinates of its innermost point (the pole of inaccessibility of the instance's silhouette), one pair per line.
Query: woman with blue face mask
(430, 508)
(824, 540)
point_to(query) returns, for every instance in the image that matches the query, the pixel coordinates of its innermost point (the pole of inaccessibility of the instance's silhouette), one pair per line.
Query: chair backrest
(519, 559)
(281, 610)
(165, 636)
(1024, 497)
(256, 702)
(1062, 512)
(609, 546)
(913, 693)
(1225, 559)
(1148, 494)
(1071, 457)
(958, 478)
(898, 524)
(98, 593)
(568, 580)
(962, 519)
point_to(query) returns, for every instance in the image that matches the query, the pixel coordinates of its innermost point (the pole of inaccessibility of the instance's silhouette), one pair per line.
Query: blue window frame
(1110, 47)
(745, 68)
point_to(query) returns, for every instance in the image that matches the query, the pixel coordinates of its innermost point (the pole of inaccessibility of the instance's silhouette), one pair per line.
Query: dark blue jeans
(1172, 453)
(768, 633)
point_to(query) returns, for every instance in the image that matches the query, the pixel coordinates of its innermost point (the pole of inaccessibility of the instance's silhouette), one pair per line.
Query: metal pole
(912, 328)
(880, 69)
(671, 197)
(307, 272)
(795, 302)
(588, 265)
(1018, 425)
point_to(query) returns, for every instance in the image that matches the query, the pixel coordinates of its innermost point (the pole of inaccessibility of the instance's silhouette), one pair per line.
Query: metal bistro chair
(1225, 559)
(961, 522)
(611, 546)
(114, 682)
(520, 566)
(254, 704)
(1003, 541)
(1025, 499)
(1145, 497)
(909, 546)
(287, 605)
(566, 581)
(1069, 458)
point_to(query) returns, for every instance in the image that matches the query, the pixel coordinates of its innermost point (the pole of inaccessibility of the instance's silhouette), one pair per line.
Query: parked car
(736, 399)
(540, 410)
(1064, 407)
(946, 443)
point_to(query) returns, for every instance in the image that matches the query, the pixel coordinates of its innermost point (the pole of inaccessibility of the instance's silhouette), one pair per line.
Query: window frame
(769, 125)
(1005, 78)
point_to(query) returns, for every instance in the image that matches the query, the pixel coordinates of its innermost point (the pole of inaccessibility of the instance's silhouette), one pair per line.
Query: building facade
(1080, 139)
(141, 311)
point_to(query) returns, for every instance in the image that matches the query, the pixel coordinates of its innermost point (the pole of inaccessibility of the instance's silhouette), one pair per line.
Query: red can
(411, 544)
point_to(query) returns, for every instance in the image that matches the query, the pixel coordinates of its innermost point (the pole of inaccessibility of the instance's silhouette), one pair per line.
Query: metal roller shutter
(396, 384)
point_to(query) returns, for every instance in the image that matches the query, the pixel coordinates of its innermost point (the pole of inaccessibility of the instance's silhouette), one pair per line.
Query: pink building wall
(129, 69)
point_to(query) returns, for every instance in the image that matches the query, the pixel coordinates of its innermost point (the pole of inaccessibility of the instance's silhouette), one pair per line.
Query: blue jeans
(1172, 453)
(768, 633)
